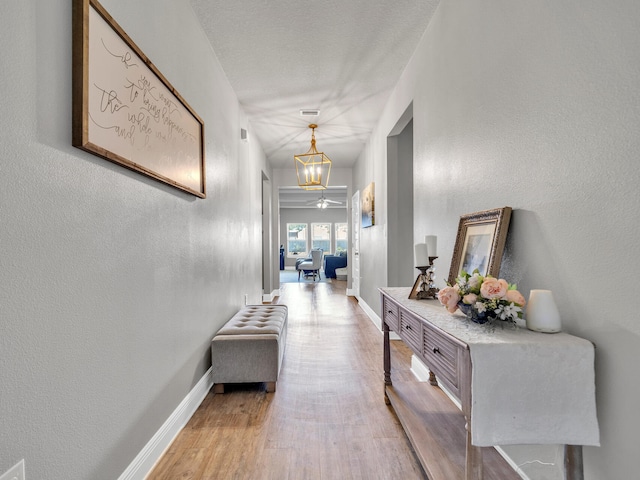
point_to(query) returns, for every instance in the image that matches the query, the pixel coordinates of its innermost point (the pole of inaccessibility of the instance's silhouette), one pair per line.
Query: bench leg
(218, 388)
(271, 387)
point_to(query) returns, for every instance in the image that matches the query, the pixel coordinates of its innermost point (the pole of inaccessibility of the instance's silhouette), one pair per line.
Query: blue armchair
(331, 262)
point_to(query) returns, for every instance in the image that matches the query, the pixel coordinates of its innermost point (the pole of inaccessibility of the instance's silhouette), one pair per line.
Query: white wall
(111, 284)
(535, 105)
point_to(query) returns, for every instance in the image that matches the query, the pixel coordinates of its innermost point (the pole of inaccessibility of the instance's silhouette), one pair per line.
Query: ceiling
(341, 57)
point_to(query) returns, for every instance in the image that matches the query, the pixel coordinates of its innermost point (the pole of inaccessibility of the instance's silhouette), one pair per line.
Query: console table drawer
(443, 356)
(390, 313)
(411, 331)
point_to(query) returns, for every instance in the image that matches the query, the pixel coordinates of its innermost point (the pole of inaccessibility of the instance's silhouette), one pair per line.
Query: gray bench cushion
(256, 319)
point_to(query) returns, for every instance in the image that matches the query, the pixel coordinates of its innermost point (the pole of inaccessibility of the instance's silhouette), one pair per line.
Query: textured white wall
(111, 284)
(536, 105)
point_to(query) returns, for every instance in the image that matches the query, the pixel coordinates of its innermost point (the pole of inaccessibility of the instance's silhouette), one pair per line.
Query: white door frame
(354, 291)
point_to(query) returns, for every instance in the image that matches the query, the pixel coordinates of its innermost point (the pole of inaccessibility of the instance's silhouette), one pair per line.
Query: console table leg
(432, 379)
(387, 355)
(573, 469)
(473, 468)
(387, 361)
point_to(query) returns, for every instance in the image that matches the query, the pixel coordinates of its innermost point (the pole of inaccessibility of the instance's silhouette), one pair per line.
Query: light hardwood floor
(327, 418)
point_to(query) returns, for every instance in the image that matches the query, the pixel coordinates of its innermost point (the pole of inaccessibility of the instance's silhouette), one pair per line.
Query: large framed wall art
(126, 111)
(480, 243)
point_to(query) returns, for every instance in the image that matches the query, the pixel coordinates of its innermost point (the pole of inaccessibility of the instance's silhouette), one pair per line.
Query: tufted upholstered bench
(250, 347)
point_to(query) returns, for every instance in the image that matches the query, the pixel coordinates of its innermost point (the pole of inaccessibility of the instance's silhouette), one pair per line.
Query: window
(321, 236)
(342, 237)
(297, 246)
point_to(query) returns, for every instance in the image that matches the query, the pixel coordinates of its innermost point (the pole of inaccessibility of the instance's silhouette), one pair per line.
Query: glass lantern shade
(313, 168)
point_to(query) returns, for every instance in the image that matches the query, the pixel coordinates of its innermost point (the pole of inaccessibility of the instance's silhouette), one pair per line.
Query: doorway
(400, 264)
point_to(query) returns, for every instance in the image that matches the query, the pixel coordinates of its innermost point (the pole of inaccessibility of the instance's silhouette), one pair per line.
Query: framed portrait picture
(368, 206)
(480, 242)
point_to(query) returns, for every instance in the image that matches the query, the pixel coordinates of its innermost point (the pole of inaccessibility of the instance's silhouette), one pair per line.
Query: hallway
(327, 418)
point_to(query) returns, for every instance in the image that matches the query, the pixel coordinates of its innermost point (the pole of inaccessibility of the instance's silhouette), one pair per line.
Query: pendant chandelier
(313, 167)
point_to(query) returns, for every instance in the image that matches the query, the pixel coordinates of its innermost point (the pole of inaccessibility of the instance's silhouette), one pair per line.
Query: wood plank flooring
(327, 419)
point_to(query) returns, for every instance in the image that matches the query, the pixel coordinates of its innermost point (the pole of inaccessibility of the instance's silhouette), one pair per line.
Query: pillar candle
(432, 245)
(422, 255)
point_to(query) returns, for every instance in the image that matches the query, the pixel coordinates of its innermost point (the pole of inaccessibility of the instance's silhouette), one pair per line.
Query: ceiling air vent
(309, 113)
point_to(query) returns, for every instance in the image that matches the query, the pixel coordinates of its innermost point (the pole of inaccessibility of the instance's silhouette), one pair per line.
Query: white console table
(515, 386)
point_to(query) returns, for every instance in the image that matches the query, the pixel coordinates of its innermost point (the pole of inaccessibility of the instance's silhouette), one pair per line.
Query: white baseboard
(419, 369)
(160, 442)
(513, 464)
(375, 319)
(373, 316)
(268, 297)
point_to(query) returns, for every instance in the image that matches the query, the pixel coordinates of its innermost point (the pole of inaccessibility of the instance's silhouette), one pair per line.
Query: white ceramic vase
(542, 314)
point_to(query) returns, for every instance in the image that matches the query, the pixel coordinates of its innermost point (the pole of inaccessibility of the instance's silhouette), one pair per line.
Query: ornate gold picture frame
(480, 242)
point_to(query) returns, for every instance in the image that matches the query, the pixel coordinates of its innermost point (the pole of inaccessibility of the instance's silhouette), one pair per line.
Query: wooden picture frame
(126, 111)
(480, 243)
(413, 294)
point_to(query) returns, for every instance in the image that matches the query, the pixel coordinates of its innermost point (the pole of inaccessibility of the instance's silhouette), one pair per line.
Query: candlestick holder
(424, 288)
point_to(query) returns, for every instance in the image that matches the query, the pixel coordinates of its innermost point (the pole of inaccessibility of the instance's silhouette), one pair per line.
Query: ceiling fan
(323, 202)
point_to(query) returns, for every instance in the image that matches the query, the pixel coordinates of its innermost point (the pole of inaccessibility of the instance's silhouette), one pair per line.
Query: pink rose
(516, 297)
(470, 298)
(449, 297)
(494, 288)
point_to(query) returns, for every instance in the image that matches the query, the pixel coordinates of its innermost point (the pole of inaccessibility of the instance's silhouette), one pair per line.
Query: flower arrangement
(483, 299)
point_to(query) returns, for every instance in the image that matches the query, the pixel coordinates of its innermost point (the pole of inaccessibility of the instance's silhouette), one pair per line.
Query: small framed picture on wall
(368, 206)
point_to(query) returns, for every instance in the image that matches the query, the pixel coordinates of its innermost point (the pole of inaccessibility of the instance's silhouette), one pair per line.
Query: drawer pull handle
(408, 327)
(436, 350)
(389, 312)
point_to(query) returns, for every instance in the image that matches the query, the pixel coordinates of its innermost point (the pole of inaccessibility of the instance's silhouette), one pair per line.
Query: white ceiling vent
(309, 113)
